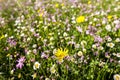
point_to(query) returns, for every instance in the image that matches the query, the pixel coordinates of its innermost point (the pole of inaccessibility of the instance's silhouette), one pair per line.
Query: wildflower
(47, 79)
(109, 39)
(60, 54)
(109, 17)
(57, 5)
(54, 51)
(118, 54)
(117, 40)
(77, 45)
(2, 37)
(52, 69)
(79, 29)
(34, 75)
(19, 75)
(111, 45)
(100, 48)
(116, 77)
(94, 46)
(20, 62)
(36, 65)
(84, 50)
(83, 43)
(108, 27)
(12, 71)
(80, 19)
(89, 2)
(80, 53)
(65, 34)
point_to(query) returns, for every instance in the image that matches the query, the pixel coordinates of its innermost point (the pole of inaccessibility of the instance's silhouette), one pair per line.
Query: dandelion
(36, 65)
(60, 54)
(2, 37)
(109, 17)
(80, 19)
(57, 5)
(116, 77)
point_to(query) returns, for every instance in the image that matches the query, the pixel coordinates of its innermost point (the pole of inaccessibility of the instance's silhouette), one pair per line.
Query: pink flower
(20, 62)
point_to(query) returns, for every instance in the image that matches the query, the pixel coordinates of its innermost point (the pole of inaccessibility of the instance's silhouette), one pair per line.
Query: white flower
(52, 69)
(65, 34)
(47, 79)
(34, 46)
(94, 46)
(22, 35)
(80, 53)
(12, 71)
(54, 51)
(83, 43)
(116, 77)
(100, 48)
(109, 39)
(95, 19)
(84, 50)
(116, 22)
(119, 61)
(36, 65)
(77, 45)
(111, 45)
(118, 54)
(108, 27)
(117, 40)
(51, 38)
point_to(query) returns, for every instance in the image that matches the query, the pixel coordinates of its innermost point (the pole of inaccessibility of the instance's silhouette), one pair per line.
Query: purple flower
(20, 62)
(43, 55)
(98, 39)
(79, 29)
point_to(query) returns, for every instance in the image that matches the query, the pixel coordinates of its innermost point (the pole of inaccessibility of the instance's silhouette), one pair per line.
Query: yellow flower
(2, 37)
(19, 75)
(116, 77)
(34, 75)
(89, 2)
(62, 4)
(60, 54)
(109, 17)
(57, 5)
(80, 19)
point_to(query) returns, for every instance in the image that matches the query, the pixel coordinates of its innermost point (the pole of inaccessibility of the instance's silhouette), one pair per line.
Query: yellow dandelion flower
(62, 4)
(109, 17)
(80, 19)
(2, 37)
(89, 2)
(60, 54)
(56, 5)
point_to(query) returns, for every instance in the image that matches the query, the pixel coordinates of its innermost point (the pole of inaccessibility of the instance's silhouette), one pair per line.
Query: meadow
(59, 40)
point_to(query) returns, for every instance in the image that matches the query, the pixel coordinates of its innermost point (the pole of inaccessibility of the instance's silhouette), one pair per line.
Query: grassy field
(59, 40)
